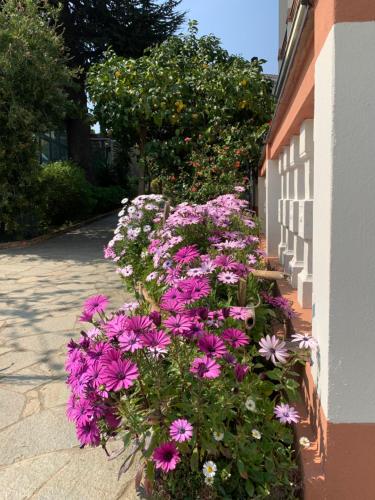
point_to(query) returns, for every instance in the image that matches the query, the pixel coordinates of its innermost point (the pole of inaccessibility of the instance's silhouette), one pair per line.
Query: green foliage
(128, 26)
(185, 93)
(33, 77)
(107, 197)
(67, 196)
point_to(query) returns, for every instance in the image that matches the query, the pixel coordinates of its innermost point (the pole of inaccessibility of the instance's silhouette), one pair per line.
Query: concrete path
(42, 289)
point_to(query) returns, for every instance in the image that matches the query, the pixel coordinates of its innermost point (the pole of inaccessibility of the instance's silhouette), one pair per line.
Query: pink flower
(194, 288)
(186, 254)
(130, 341)
(215, 318)
(179, 325)
(156, 341)
(181, 430)
(109, 253)
(228, 278)
(119, 374)
(240, 313)
(88, 433)
(226, 262)
(205, 367)
(236, 338)
(116, 326)
(97, 350)
(273, 348)
(95, 304)
(139, 324)
(213, 346)
(85, 317)
(286, 414)
(240, 371)
(187, 139)
(166, 457)
(172, 305)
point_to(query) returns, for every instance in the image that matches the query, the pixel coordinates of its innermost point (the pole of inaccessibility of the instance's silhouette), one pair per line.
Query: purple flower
(240, 313)
(109, 253)
(130, 341)
(181, 430)
(116, 326)
(179, 325)
(305, 341)
(156, 341)
(281, 303)
(166, 457)
(286, 414)
(194, 288)
(82, 412)
(274, 349)
(88, 433)
(95, 304)
(174, 306)
(97, 350)
(228, 278)
(119, 374)
(205, 367)
(226, 262)
(155, 317)
(213, 346)
(85, 317)
(235, 338)
(229, 358)
(240, 371)
(186, 254)
(139, 324)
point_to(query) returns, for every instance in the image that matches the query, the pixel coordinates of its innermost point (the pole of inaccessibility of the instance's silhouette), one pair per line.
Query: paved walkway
(41, 292)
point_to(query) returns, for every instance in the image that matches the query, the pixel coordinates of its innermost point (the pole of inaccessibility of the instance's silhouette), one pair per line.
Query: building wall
(322, 138)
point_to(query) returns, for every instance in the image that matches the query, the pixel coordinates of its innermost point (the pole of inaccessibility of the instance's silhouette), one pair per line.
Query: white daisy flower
(218, 436)
(250, 405)
(256, 434)
(209, 469)
(209, 481)
(304, 442)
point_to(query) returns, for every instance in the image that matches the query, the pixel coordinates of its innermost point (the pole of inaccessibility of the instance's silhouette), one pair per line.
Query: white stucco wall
(262, 202)
(273, 188)
(344, 223)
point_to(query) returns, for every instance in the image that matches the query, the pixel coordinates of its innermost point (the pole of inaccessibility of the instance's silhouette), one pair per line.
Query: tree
(33, 82)
(89, 28)
(197, 113)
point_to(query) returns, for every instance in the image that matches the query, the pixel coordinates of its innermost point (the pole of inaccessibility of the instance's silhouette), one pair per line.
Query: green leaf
(249, 488)
(242, 469)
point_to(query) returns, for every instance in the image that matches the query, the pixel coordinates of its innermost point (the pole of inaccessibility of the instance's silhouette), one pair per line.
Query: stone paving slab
(41, 291)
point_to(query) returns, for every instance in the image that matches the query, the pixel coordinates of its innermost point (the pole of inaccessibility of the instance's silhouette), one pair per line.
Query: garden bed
(191, 375)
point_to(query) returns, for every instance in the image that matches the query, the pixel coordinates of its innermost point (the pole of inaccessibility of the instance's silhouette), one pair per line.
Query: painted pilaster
(273, 190)
(344, 223)
(305, 219)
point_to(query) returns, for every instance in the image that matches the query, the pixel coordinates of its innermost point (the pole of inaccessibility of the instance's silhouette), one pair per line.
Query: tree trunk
(78, 132)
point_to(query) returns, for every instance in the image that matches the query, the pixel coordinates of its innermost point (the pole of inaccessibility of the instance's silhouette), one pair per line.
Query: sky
(245, 27)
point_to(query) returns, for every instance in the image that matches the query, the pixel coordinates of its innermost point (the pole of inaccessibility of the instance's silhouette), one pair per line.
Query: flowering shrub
(192, 377)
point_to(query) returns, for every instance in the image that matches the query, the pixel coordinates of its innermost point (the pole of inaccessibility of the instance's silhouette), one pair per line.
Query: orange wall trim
(296, 103)
(340, 463)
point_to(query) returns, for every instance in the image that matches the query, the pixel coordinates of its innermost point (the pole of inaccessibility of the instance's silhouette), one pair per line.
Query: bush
(66, 194)
(107, 198)
(34, 78)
